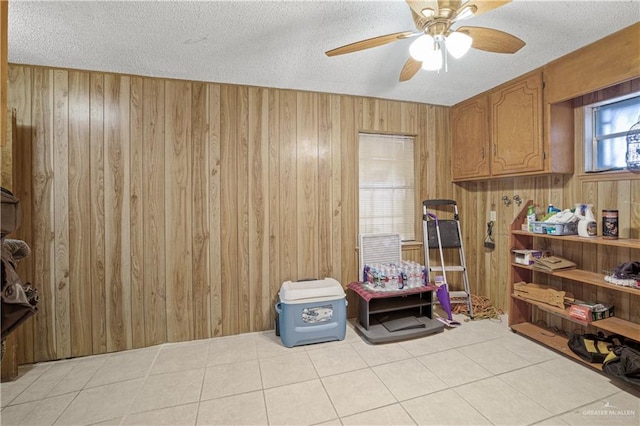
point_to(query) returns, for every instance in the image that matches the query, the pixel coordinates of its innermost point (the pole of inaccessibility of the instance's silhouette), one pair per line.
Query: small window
(606, 127)
(387, 185)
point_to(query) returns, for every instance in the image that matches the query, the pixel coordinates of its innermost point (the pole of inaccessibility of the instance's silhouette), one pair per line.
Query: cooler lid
(301, 290)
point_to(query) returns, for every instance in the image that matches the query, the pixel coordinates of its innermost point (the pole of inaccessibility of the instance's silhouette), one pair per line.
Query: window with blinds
(606, 128)
(387, 185)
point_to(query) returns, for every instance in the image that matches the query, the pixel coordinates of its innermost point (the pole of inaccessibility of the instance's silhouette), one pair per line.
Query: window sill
(605, 176)
(406, 245)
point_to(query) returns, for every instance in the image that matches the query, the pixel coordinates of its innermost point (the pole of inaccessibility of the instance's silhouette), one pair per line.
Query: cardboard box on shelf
(526, 257)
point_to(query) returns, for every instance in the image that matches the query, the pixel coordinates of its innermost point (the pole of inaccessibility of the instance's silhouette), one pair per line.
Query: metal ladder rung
(453, 268)
(458, 295)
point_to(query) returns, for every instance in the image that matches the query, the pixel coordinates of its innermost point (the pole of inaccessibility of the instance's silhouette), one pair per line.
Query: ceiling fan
(434, 20)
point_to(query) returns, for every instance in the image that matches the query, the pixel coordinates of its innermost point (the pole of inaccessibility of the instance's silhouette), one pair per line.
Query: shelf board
(619, 326)
(564, 313)
(592, 278)
(612, 324)
(620, 242)
(387, 305)
(550, 339)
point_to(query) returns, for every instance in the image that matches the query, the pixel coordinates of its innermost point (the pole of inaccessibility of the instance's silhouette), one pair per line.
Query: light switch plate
(492, 216)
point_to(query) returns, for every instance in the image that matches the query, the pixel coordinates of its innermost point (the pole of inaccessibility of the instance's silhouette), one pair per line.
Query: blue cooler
(311, 312)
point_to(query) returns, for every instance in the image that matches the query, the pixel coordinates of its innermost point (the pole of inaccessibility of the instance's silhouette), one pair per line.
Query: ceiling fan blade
(411, 67)
(492, 40)
(483, 6)
(369, 43)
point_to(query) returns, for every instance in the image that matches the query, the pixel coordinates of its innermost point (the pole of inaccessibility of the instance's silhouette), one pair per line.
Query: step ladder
(440, 234)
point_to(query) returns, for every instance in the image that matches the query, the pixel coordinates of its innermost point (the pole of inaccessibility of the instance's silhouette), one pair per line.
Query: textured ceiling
(282, 43)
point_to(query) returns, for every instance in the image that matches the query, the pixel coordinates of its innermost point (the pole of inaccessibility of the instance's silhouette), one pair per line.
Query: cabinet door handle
(482, 153)
(495, 150)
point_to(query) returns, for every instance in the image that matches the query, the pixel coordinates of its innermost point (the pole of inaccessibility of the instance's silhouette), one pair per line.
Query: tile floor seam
(262, 389)
(127, 411)
(204, 376)
(377, 408)
(84, 386)
(27, 386)
(335, 410)
(408, 413)
(473, 406)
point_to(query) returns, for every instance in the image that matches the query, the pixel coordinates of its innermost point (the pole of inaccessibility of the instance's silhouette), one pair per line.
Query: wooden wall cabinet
(525, 315)
(516, 127)
(510, 131)
(470, 138)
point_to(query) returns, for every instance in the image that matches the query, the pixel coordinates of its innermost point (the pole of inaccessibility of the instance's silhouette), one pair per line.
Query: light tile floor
(477, 374)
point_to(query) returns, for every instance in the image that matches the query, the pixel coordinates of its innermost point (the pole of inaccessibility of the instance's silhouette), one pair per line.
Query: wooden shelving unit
(549, 338)
(521, 310)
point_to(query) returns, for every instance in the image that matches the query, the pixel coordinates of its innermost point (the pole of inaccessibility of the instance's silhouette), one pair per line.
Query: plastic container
(311, 312)
(539, 227)
(562, 228)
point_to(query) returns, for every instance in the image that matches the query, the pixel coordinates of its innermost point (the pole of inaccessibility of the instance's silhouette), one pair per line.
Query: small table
(409, 313)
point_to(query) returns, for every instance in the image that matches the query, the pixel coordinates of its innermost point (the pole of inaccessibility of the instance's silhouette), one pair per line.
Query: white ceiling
(281, 44)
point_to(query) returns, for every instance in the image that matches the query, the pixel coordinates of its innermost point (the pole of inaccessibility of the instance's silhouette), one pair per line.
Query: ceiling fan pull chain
(443, 49)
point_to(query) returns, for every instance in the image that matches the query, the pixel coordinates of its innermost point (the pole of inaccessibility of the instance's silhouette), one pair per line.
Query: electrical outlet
(492, 216)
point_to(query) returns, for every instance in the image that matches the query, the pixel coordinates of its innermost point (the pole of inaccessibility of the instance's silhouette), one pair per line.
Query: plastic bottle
(531, 217)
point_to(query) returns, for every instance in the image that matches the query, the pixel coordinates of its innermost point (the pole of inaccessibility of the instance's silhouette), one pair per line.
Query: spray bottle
(531, 217)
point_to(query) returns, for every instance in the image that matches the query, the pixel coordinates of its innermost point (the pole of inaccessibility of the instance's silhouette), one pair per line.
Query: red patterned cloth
(367, 294)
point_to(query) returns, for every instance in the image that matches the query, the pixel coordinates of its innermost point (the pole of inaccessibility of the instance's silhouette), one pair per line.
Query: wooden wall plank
(349, 189)
(229, 208)
(19, 96)
(288, 208)
(258, 214)
(324, 206)
(307, 185)
(42, 246)
(275, 276)
(242, 212)
(634, 213)
(200, 214)
(97, 165)
(336, 211)
(178, 209)
(137, 198)
(213, 169)
(153, 210)
(80, 214)
(116, 212)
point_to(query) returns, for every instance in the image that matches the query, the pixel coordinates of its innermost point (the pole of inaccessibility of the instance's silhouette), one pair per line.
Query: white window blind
(606, 126)
(387, 185)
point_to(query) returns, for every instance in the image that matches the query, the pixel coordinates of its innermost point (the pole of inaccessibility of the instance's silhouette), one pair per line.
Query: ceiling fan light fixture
(432, 60)
(458, 44)
(428, 12)
(466, 12)
(420, 47)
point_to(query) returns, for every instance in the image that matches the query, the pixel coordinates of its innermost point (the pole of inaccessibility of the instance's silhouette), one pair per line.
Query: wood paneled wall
(164, 210)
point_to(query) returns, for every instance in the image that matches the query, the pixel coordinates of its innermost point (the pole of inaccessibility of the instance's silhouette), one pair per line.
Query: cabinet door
(516, 127)
(470, 139)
